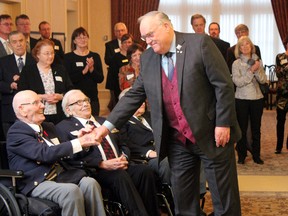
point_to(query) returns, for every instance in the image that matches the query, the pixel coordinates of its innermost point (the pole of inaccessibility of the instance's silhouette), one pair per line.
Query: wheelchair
(13, 203)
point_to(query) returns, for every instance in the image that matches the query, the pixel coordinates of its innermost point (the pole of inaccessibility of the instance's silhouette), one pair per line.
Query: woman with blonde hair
(247, 73)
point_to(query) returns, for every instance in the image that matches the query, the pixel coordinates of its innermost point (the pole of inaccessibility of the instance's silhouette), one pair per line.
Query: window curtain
(280, 9)
(128, 11)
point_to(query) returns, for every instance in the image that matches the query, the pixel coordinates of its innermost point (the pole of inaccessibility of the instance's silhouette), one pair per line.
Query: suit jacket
(27, 152)
(230, 58)
(8, 68)
(140, 138)
(111, 48)
(222, 46)
(33, 42)
(2, 50)
(30, 79)
(92, 156)
(205, 89)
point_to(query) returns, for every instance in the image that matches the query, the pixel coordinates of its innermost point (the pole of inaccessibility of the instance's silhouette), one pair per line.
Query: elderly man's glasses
(35, 103)
(150, 34)
(80, 102)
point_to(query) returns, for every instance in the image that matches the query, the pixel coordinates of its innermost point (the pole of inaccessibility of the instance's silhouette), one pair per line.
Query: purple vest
(173, 110)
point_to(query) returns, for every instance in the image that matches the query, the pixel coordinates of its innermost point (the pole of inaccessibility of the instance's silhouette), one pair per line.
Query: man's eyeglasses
(36, 103)
(80, 102)
(7, 24)
(149, 34)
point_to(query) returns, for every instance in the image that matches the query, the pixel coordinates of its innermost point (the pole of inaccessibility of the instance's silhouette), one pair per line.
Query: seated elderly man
(110, 159)
(141, 142)
(32, 146)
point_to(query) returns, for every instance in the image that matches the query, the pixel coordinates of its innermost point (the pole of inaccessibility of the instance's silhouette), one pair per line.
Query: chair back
(271, 72)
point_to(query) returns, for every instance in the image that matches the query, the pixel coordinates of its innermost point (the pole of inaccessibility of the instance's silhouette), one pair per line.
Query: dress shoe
(241, 160)
(258, 161)
(278, 152)
(202, 213)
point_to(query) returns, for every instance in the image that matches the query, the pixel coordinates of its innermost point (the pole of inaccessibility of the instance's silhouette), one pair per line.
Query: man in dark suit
(240, 30)
(114, 172)
(45, 31)
(141, 143)
(214, 32)
(6, 25)
(9, 76)
(111, 48)
(33, 146)
(193, 113)
(23, 25)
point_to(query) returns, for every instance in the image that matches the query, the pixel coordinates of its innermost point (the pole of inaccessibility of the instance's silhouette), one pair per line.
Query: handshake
(91, 135)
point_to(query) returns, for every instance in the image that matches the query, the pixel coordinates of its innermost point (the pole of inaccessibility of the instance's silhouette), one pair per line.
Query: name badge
(124, 60)
(129, 76)
(58, 78)
(117, 50)
(79, 64)
(56, 47)
(55, 141)
(283, 61)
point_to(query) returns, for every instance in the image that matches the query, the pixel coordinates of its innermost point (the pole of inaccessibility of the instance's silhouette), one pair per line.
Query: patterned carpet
(263, 203)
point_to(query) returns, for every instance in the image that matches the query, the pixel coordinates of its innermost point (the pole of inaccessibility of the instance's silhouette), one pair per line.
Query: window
(256, 14)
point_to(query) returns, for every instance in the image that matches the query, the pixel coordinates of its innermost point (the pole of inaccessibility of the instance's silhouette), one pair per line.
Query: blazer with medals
(91, 156)
(30, 153)
(205, 89)
(9, 68)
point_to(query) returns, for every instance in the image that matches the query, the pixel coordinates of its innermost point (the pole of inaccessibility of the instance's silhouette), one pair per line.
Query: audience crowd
(40, 83)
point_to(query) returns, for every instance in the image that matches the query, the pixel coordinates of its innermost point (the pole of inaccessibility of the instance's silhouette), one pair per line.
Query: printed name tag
(129, 76)
(79, 64)
(124, 60)
(56, 47)
(55, 141)
(283, 61)
(117, 50)
(58, 78)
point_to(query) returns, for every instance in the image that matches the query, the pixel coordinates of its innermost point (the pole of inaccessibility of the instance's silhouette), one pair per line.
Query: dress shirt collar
(23, 57)
(35, 127)
(84, 121)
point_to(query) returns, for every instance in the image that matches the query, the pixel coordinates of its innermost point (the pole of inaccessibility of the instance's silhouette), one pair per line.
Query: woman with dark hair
(128, 73)
(50, 81)
(84, 67)
(120, 59)
(282, 95)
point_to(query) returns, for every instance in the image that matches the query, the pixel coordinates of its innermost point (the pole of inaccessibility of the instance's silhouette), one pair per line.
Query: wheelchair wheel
(8, 203)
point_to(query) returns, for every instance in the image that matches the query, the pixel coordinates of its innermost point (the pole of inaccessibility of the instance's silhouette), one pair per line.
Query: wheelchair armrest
(11, 173)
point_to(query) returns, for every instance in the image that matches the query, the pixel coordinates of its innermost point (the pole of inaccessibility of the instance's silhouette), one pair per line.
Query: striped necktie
(105, 145)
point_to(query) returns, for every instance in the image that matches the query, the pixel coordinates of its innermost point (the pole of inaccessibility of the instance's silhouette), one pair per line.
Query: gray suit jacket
(205, 89)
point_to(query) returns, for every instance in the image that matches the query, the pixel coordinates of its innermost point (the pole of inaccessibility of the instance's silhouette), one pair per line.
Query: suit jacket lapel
(180, 59)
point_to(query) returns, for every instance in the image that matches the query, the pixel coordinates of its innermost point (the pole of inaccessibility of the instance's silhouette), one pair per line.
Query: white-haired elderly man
(33, 146)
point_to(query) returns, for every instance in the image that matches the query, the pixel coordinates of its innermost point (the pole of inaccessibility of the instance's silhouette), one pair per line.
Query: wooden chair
(273, 81)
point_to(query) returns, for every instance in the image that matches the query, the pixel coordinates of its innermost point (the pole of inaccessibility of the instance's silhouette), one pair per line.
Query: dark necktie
(105, 145)
(20, 64)
(170, 65)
